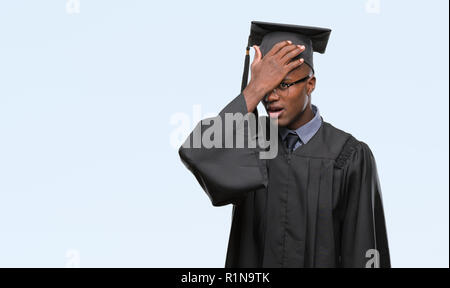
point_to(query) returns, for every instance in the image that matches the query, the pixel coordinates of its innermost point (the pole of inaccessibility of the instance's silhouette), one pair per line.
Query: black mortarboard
(265, 35)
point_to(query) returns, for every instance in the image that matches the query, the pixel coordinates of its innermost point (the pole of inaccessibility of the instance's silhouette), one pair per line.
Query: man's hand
(268, 72)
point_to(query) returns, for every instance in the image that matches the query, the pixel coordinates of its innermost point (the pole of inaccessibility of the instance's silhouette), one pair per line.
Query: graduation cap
(266, 35)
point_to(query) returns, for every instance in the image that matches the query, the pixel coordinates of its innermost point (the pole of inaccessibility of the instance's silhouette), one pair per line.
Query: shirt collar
(306, 131)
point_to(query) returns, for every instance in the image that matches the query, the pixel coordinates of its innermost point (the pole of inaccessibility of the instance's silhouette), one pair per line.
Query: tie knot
(291, 140)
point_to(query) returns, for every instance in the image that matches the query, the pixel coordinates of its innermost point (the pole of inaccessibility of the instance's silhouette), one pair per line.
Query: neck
(302, 119)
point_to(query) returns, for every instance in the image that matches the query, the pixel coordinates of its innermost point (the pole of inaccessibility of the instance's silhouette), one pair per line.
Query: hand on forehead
(298, 73)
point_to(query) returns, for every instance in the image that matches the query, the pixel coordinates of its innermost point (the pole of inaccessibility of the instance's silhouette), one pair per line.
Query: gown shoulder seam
(347, 151)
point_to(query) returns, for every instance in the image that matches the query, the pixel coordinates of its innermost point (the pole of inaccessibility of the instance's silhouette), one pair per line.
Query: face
(286, 105)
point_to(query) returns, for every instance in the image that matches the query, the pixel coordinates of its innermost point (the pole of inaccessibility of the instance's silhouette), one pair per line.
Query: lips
(275, 111)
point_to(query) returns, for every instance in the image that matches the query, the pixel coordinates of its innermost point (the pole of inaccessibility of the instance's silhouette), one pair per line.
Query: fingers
(258, 54)
(294, 64)
(292, 53)
(278, 46)
(285, 50)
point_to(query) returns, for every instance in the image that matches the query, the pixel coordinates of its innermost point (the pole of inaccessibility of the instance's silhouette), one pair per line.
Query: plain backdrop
(96, 98)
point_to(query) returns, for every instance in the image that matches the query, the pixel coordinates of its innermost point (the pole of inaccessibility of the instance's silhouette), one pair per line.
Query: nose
(271, 96)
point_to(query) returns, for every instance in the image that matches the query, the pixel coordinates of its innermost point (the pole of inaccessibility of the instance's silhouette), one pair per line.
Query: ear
(311, 85)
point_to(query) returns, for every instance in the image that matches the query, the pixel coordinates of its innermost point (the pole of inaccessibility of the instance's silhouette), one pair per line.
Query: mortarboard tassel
(246, 67)
(245, 79)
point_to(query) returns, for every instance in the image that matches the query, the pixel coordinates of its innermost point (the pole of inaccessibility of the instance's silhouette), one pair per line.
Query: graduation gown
(318, 206)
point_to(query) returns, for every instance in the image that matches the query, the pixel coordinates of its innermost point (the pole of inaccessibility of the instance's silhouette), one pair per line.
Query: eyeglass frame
(287, 85)
(291, 84)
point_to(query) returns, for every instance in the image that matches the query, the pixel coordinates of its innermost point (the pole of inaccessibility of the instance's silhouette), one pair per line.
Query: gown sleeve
(225, 174)
(363, 235)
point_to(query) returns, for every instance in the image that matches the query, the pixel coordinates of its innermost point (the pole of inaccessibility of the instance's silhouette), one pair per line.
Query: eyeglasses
(283, 87)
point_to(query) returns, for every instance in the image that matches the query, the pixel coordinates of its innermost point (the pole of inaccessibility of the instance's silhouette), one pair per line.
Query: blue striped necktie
(291, 140)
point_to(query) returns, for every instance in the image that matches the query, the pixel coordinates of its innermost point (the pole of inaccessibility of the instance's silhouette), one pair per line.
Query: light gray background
(91, 105)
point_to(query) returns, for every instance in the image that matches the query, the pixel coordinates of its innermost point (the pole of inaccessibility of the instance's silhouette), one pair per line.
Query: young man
(317, 203)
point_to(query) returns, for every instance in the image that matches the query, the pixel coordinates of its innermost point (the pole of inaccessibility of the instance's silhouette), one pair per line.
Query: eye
(284, 85)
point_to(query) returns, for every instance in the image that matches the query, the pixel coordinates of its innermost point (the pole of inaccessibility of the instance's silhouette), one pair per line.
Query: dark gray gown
(319, 206)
